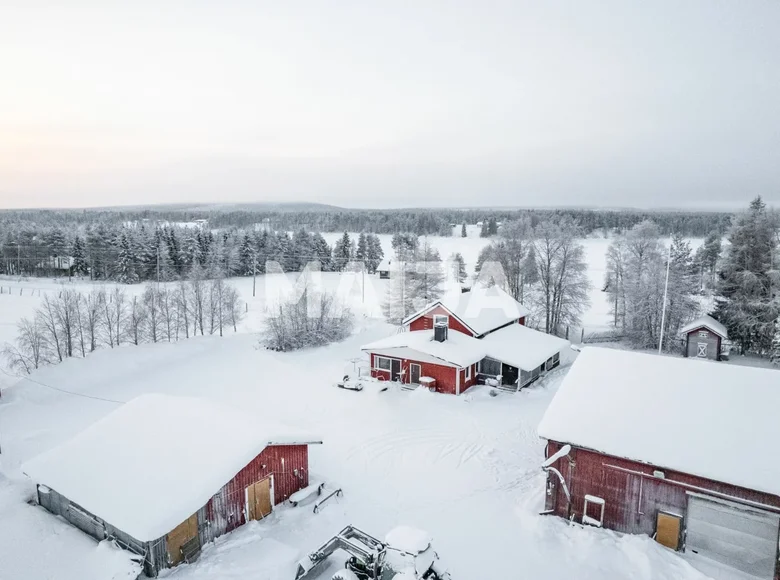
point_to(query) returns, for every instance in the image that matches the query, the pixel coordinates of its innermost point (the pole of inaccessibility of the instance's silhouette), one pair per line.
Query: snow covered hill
(467, 469)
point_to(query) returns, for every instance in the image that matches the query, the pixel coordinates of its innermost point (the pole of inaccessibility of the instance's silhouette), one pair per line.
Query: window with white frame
(442, 319)
(704, 333)
(382, 363)
(593, 511)
(468, 373)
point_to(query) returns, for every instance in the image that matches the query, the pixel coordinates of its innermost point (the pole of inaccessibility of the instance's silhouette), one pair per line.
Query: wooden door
(258, 499)
(414, 373)
(667, 530)
(180, 535)
(395, 372)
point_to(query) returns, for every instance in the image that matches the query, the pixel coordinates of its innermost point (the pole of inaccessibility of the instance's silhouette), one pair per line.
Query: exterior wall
(445, 376)
(425, 321)
(692, 339)
(633, 495)
(466, 384)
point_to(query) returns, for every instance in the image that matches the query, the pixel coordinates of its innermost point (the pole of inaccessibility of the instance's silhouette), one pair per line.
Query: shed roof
(708, 322)
(459, 349)
(150, 464)
(716, 421)
(480, 309)
(522, 347)
(388, 265)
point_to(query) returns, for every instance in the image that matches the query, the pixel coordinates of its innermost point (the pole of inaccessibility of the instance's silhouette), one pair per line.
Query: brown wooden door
(414, 373)
(258, 498)
(667, 530)
(179, 536)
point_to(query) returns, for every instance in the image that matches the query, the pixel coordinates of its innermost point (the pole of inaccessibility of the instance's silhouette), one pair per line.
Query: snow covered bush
(313, 319)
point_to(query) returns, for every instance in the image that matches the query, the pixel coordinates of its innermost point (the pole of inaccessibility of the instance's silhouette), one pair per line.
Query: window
(703, 333)
(441, 319)
(490, 367)
(468, 373)
(382, 362)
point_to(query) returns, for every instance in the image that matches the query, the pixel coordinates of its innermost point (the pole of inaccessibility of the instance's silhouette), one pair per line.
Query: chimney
(440, 332)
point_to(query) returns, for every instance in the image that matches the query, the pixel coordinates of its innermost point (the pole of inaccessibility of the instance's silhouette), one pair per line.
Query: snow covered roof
(481, 309)
(388, 264)
(716, 421)
(408, 539)
(709, 322)
(522, 347)
(459, 349)
(153, 462)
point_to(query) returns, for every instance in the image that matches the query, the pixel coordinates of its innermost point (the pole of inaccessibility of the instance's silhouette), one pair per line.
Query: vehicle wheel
(344, 575)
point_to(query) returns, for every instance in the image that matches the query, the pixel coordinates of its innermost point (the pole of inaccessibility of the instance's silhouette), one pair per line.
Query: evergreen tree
(458, 267)
(405, 246)
(492, 227)
(374, 252)
(246, 256)
(463, 230)
(125, 265)
(361, 253)
(428, 276)
(322, 252)
(775, 353)
(484, 232)
(342, 252)
(78, 252)
(746, 305)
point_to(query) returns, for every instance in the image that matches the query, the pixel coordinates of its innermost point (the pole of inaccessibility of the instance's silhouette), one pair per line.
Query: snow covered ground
(464, 468)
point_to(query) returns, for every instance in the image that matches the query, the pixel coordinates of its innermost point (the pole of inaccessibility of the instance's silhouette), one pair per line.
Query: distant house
(56, 263)
(465, 339)
(386, 268)
(704, 338)
(678, 450)
(163, 475)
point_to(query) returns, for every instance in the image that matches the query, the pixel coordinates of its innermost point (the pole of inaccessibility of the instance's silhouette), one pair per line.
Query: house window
(491, 367)
(593, 511)
(703, 333)
(442, 319)
(382, 363)
(468, 373)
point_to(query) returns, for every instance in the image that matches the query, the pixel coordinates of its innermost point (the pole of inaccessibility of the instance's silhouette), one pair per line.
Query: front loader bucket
(309, 568)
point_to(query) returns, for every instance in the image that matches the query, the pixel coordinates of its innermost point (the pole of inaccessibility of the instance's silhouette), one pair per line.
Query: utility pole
(254, 273)
(363, 282)
(663, 309)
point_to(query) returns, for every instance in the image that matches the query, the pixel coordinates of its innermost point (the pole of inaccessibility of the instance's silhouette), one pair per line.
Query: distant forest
(332, 219)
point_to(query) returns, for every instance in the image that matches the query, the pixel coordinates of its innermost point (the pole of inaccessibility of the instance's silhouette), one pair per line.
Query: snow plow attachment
(351, 540)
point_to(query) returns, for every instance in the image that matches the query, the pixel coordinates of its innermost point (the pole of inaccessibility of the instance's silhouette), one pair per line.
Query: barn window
(488, 366)
(703, 333)
(468, 373)
(593, 511)
(382, 362)
(442, 319)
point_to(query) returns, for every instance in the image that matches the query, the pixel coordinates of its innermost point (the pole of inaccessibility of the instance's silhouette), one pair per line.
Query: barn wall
(425, 321)
(713, 343)
(632, 500)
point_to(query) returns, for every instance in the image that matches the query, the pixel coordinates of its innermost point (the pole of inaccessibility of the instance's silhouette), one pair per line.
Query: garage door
(741, 537)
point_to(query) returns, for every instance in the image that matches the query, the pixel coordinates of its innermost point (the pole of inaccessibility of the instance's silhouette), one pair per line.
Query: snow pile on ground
(34, 545)
(693, 400)
(408, 539)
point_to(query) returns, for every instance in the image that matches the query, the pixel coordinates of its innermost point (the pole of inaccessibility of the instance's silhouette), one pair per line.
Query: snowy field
(464, 468)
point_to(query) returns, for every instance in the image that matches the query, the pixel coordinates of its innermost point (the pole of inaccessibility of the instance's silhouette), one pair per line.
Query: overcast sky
(382, 104)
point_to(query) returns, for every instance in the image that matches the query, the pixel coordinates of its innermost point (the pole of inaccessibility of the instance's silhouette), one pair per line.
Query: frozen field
(466, 469)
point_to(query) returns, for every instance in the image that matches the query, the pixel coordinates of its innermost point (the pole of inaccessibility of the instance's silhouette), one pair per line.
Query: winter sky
(666, 103)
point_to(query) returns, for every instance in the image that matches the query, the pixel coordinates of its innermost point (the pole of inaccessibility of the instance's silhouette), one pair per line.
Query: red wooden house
(163, 475)
(463, 339)
(676, 449)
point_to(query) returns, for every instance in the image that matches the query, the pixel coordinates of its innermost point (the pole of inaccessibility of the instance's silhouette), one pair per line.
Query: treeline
(75, 324)
(419, 221)
(137, 251)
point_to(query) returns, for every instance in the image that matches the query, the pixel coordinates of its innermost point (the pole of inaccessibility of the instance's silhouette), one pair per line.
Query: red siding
(633, 495)
(425, 321)
(445, 376)
(226, 509)
(521, 320)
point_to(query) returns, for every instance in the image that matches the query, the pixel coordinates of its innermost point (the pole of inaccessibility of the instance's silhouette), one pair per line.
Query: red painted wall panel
(425, 321)
(633, 495)
(445, 376)
(226, 510)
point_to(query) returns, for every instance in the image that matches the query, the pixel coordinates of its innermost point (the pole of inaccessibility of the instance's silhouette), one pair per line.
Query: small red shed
(163, 475)
(704, 338)
(678, 450)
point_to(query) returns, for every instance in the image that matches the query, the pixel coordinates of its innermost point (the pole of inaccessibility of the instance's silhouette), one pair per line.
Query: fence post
(582, 335)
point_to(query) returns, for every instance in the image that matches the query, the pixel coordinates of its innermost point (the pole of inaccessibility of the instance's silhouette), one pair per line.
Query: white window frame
(377, 358)
(704, 334)
(438, 317)
(468, 373)
(589, 520)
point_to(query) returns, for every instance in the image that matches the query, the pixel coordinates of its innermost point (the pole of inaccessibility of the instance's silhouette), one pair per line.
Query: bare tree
(136, 320)
(49, 325)
(66, 317)
(232, 307)
(153, 319)
(114, 316)
(167, 306)
(197, 299)
(92, 306)
(183, 313)
(31, 350)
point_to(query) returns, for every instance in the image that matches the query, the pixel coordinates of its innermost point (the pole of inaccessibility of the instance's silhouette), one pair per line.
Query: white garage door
(741, 537)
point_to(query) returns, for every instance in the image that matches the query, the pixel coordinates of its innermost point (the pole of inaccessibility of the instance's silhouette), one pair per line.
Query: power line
(61, 390)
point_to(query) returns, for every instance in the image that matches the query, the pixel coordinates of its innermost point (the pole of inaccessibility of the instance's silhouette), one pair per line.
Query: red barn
(463, 339)
(676, 449)
(163, 475)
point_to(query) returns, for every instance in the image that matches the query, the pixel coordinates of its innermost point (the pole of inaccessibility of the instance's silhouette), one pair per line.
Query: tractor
(406, 554)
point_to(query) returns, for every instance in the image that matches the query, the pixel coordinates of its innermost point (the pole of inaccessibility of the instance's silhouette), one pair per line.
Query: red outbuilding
(676, 449)
(163, 475)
